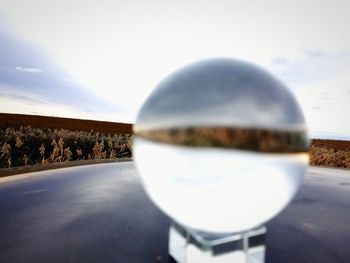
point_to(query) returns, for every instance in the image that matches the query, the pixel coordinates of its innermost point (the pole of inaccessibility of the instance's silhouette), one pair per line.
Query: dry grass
(25, 146)
(330, 153)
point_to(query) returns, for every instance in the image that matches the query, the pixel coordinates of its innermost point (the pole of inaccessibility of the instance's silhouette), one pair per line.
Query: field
(36, 141)
(48, 142)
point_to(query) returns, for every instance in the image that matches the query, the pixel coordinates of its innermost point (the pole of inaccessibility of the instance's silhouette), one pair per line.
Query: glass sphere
(221, 146)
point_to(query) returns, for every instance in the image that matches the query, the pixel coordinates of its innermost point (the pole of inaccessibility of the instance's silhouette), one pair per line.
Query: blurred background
(100, 59)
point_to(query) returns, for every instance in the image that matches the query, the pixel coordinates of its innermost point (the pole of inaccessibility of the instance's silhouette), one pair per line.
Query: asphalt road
(100, 213)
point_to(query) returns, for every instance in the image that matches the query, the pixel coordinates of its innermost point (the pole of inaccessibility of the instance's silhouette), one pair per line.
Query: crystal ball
(221, 146)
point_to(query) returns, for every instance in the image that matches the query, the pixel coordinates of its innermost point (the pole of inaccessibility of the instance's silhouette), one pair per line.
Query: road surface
(100, 213)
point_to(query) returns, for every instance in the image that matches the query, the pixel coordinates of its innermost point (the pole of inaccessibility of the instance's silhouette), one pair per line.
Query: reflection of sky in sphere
(221, 92)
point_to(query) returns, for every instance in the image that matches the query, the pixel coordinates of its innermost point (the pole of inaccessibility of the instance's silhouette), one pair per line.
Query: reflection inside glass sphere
(221, 146)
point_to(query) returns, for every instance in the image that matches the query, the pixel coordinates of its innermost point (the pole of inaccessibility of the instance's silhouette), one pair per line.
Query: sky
(101, 59)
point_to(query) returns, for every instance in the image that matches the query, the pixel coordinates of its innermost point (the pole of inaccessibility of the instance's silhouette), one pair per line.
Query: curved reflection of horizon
(259, 140)
(221, 92)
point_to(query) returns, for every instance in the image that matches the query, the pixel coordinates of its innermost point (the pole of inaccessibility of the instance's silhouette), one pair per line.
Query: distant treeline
(43, 122)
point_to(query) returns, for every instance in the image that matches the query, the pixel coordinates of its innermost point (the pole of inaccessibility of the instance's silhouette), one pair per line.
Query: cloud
(325, 98)
(279, 60)
(29, 75)
(24, 98)
(332, 98)
(312, 65)
(30, 70)
(17, 101)
(314, 53)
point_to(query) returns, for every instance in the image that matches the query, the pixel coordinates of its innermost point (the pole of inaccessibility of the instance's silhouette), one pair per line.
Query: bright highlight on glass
(221, 146)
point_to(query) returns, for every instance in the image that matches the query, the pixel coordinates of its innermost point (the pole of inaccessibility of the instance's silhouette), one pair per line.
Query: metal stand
(189, 246)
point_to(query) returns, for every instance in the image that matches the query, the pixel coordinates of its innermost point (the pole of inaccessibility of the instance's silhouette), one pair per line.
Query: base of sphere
(190, 246)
